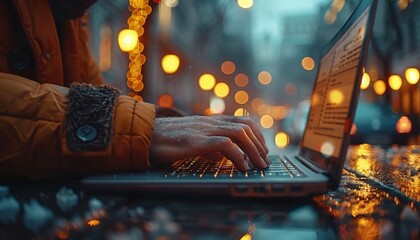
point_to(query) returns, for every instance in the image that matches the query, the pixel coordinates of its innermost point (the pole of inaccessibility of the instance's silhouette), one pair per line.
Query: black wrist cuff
(89, 117)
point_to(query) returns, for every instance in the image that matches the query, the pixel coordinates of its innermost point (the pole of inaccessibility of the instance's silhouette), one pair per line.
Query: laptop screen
(336, 92)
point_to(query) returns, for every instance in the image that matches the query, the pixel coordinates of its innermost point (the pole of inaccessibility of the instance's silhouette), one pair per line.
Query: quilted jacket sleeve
(33, 137)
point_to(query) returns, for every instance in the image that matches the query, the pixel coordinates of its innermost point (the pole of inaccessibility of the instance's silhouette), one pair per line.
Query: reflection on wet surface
(378, 198)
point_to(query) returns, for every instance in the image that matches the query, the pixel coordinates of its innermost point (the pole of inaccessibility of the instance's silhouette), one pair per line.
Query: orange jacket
(32, 112)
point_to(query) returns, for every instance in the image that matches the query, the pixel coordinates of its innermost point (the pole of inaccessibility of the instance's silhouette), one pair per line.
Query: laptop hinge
(312, 166)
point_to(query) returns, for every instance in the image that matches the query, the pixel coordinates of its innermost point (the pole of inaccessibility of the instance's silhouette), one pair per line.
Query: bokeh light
(403, 125)
(336, 96)
(264, 77)
(228, 67)
(127, 40)
(281, 139)
(221, 90)
(395, 82)
(241, 97)
(207, 81)
(241, 80)
(245, 3)
(365, 81)
(308, 63)
(256, 103)
(170, 63)
(412, 75)
(166, 101)
(266, 121)
(290, 89)
(379, 87)
(217, 105)
(279, 112)
(240, 112)
(327, 149)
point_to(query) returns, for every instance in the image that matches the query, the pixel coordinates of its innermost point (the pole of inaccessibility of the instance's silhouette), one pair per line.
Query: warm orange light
(336, 96)
(166, 101)
(240, 112)
(412, 75)
(207, 81)
(221, 90)
(266, 121)
(353, 129)
(365, 81)
(308, 63)
(93, 222)
(256, 103)
(241, 97)
(337, 5)
(241, 80)
(170, 63)
(228, 67)
(279, 112)
(245, 3)
(127, 40)
(395, 82)
(264, 77)
(403, 4)
(247, 236)
(379, 87)
(281, 139)
(403, 125)
(137, 86)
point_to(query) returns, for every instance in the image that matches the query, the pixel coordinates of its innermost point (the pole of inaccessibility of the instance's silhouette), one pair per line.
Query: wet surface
(378, 198)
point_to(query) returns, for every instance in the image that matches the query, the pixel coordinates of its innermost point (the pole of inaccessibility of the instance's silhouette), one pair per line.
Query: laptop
(318, 165)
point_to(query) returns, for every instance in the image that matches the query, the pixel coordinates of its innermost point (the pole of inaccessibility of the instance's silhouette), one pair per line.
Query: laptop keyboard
(224, 168)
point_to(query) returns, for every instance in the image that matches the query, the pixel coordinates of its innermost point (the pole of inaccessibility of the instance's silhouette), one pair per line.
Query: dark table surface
(378, 198)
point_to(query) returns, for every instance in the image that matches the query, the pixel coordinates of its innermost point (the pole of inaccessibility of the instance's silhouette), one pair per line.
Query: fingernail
(267, 160)
(264, 163)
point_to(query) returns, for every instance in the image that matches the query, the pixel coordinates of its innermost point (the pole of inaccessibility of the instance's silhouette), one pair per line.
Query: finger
(255, 141)
(227, 148)
(248, 121)
(238, 135)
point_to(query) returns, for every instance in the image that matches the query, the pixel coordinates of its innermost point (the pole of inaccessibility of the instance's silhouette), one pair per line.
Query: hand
(236, 138)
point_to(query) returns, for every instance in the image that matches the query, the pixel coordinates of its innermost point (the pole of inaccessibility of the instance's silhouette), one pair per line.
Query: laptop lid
(336, 91)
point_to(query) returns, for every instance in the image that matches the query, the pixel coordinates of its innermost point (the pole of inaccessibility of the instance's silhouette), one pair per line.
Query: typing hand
(236, 138)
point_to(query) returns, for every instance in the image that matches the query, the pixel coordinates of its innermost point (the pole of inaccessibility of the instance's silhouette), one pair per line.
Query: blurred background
(259, 58)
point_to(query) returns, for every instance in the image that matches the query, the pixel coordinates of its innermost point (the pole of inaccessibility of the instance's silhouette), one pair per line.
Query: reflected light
(93, 222)
(247, 236)
(217, 105)
(365, 81)
(264, 77)
(308, 63)
(336, 96)
(402, 4)
(166, 101)
(228, 67)
(403, 125)
(241, 97)
(241, 80)
(245, 3)
(353, 129)
(281, 139)
(315, 99)
(395, 82)
(207, 81)
(330, 17)
(127, 39)
(240, 112)
(327, 149)
(412, 75)
(363, 165)
(379, 87)
(266, 121)
(221, 90)
(170, 63)
(338, 5)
